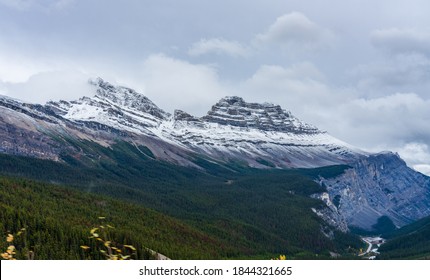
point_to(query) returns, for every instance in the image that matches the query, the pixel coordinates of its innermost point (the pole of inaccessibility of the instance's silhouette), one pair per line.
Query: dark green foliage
(251, 212)
(409, 242)
(58, 220)
(409, 229)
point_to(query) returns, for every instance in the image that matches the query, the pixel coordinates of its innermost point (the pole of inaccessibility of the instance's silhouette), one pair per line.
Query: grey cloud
(295, 30)
(296, 81)
(401, 72)
(178, 84)
(218, 46)
(383, 123)
(39, 4)
(18, 4)
(402, 40)
(415, 152)
(395, 122)
(52, 85)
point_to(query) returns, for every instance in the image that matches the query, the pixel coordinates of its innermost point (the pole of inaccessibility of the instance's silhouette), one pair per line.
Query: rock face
(235, 111)
(380, 185)
(233, 131)
(258, 135)
(23, 130)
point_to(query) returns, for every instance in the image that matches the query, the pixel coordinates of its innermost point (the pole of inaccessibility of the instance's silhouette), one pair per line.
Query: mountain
(232, 136)
(379, 185)
(257, 135)
(256, 215)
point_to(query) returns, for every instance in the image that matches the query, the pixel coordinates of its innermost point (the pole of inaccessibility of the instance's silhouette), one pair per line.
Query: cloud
(401, 72)
(417, 155)
(397, 40)
(46, 5)
(17, 4)
(388, 120)
(218, 46)
(178, 84)
(17, 69)
(395, 122)
(51, 85)
(423, 168)
(289, 85)
(295, 30)
(415, 152)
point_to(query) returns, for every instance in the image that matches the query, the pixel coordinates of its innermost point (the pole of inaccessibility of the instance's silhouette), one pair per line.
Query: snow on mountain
(117, 107)
(232, 132)
(258, 135)
(235, 111)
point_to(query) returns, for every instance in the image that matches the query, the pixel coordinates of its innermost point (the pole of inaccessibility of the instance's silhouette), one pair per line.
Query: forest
(227, 212)
(409, 242)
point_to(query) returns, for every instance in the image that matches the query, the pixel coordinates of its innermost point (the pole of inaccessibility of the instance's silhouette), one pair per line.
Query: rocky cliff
(379, 185)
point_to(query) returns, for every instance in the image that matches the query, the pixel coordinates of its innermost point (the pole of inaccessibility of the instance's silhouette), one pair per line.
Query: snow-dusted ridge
(232, 132)
(260, 135)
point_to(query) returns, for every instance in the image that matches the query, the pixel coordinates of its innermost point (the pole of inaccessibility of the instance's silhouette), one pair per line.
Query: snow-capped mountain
(257, 135)
(118, 107)
(260, 135)
(232, 132)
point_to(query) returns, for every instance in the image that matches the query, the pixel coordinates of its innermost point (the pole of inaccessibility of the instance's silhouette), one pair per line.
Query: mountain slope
(409, 242)
(380, 185)
(57, 222)
(256, 213)
(257, 135)
(235, 135)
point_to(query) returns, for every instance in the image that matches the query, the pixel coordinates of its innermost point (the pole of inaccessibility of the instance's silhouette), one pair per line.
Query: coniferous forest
(182, 213)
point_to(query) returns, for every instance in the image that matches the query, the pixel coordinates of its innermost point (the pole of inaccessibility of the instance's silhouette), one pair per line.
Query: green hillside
(409, 242)
(58, 220)
(252, 213)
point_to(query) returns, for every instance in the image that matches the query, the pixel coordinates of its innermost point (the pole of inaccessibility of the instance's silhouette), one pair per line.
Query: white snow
(126, 110)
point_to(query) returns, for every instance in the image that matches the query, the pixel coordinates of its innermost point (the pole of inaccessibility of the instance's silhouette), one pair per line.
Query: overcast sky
(357, 69)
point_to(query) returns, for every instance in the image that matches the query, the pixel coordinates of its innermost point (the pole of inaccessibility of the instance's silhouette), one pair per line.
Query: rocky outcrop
(267, 117)
(258, 135)
(180, 115)
(379, 185)
(124, 97)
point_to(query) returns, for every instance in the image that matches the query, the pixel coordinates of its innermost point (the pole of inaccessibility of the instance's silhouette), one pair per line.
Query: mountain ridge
(234, 132)
(228, 132)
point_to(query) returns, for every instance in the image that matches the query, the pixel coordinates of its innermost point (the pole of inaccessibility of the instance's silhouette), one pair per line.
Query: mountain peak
(233, 110)
(126, 97)
(232, 100)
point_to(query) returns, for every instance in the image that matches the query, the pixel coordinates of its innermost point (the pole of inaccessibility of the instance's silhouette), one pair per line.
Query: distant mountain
(233, 133)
